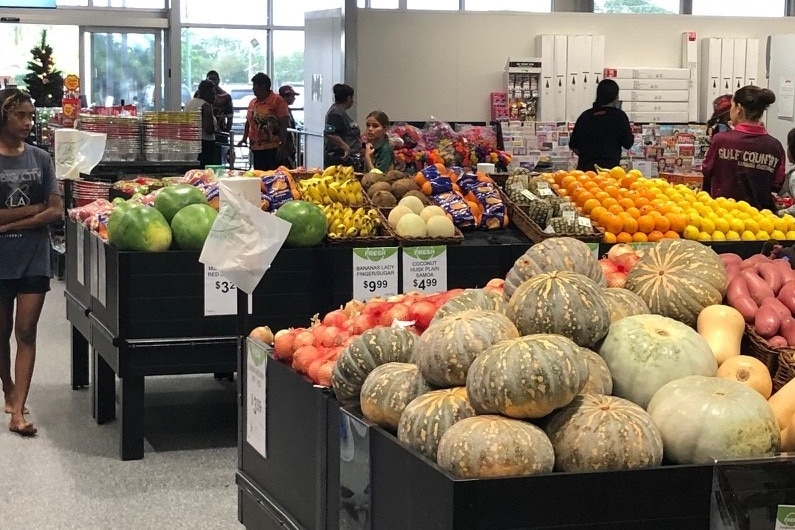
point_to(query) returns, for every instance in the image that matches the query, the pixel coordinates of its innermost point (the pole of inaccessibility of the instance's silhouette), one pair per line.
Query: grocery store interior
(413, 59)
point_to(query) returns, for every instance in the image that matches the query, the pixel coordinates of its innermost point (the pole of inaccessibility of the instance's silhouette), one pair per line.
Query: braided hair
(10, 98)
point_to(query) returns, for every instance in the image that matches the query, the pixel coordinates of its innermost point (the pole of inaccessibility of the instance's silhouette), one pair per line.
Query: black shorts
(9, 289)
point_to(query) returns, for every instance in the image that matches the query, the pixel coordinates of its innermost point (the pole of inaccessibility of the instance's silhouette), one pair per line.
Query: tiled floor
(70, 475)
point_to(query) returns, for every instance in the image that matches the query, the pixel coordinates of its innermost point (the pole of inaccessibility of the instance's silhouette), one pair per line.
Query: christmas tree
(45, 83)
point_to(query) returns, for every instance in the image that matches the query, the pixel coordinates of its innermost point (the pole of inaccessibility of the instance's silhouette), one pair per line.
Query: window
(663, 7)
(535, 6)
(440, 5)
(384, 4)
(740, 8)
(16, 41)
(237, 54)
(291, 12)
(71, 3)
(138, 4)
(230, 12)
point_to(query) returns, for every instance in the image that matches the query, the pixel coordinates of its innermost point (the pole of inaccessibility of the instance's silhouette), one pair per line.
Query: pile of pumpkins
(563, 373)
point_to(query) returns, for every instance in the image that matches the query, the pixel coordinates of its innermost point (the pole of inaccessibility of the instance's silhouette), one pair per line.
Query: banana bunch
(344, 221)
(337, 184)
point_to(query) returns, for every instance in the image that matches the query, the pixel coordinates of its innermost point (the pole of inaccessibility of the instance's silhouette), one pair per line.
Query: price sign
(220, 294)
(425, 269)
(81, 255)
(375, 272)
(256, 397)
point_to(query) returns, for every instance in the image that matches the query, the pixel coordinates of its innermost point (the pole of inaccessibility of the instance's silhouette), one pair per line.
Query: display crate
(407, 490)
(160, 295)
(300, 474)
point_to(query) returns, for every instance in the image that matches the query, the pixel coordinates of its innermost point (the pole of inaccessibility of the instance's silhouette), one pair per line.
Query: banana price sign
(425, 269)
(375, 272)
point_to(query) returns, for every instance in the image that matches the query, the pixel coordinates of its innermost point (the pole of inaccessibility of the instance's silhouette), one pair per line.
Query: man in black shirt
(601, 131)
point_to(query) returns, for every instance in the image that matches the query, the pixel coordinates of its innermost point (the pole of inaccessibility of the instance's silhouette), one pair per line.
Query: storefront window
(652, 7)
(535, 6)
(237, 54)
(384, 4)
(288, 66)
(228, 12)
(740, 8)
(16, 41)
(291, 12)
(137, 4)
(71, 3)
(439, 5)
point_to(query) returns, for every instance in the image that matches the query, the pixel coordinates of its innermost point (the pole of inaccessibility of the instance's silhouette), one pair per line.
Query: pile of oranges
(628, 206)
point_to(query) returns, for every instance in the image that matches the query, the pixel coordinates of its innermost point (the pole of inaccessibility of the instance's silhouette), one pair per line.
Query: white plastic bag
(77, 152)
(243, 241)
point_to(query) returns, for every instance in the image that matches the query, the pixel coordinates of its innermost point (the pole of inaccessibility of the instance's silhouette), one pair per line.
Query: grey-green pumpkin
(447, 348)
(372, 348)
(599, 379)
(528, 377)
(388, 389)
(494, 446)
(623, 303)
(472, 299)
(554, 254)
(603, 433)
(562, 303)
(425, 420)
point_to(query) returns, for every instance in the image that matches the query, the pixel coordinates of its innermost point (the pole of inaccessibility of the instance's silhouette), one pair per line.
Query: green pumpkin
(599, 379)
(623, 303)
(492, 446)
(562, 303)
(554, 254)
(528, 377)
(447, 348)
(388, 389)
(603, 433)
(644, 352)
(372, 348)
(469, 299)
(677, 278)
(425, 420)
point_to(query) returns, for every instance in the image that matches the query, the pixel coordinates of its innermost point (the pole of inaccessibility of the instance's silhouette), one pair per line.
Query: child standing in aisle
(29, 202)
(378, 153)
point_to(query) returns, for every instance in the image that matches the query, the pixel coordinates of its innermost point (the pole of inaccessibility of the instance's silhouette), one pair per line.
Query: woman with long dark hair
(746, 163)
(29, 202)
(343, 140)
(601, 131)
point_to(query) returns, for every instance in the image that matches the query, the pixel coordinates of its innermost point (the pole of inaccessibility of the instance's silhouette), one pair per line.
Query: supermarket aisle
(70, 475)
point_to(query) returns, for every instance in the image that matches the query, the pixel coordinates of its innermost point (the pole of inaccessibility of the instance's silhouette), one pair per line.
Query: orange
(634, 212)
(568, 179)
(640, 202)
(639, 237)
(616, 209)
(626, 202)
(609, 238)
(646, 224)
(613, 223)
(559, 176)
(665, 208)
(644, 210)
(591, 174)
(624, 237)
(627, 181)
(662, 224)
(601, 196)
(678, 221)
(597, 212)
(589, 205)
(655, 214)
(612, 191)
(607, 203)
(656, 235)
(630, 223)
(670, 234)
(657, 203)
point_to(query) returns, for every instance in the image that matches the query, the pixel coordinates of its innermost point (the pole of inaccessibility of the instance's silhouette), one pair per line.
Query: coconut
(411, 225)
(396, 213)
(412, 202)
(393, 176)
(378, 186)
(403, 186)
(371, 178)
(383, 199)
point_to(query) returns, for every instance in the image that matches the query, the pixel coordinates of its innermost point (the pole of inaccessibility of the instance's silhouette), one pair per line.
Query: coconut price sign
(425, 269)
(375, 272)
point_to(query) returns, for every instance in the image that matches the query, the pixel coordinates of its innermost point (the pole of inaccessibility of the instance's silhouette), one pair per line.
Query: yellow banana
(331, 170)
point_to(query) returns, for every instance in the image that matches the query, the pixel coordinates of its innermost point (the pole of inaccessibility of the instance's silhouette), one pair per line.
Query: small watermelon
(308, 220)
(172, 199)
(192, 225)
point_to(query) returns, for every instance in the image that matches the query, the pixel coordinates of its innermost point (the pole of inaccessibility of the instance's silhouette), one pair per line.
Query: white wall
(414, 64)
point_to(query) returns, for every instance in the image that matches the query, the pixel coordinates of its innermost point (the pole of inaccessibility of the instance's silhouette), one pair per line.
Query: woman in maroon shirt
(746, 163)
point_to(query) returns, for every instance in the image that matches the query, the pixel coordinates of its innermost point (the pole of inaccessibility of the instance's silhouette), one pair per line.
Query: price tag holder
(220, 295)
(584, 221)
(375, 272)
(529, 195)
(545, 192)
(81, 254)
(256, 397)
(425, 269)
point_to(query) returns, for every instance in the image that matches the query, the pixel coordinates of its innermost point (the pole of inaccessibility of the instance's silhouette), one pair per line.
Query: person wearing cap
(719, 122)
(288, 93)
(601, 131)
(223, 109)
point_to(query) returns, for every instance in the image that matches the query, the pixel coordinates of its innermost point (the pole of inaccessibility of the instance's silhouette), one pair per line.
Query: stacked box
(656, 95)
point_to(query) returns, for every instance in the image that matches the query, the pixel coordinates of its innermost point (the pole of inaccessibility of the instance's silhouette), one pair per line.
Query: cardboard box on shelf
(654, 95)
(658, 117)
(654, 106)
(627, 72)
(652, 84)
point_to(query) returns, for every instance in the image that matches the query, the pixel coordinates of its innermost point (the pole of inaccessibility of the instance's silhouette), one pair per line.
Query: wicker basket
(530, 228)
(786, 368)
(384, 237)
(779, 361)
(457, 238)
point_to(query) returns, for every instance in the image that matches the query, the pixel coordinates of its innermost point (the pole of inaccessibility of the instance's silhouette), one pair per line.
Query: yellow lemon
(751, 225)
(767, 213)
(748, 236)
(717, 235)
(635, 173)
(722, 224)
(694, 219)
(790, 235)
(703, 236)
(731, 235)
(723, 212)
(790, 222)
(707, 225)
(766, 224)
(762, 236)
(778, 235)
(691, 232)
(743, 206)
(737, 225)
(780, 224)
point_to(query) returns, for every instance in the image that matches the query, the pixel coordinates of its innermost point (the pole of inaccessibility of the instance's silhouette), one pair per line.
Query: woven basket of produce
(785, 372)
(756, 346)
(359, 227)
(556, 226)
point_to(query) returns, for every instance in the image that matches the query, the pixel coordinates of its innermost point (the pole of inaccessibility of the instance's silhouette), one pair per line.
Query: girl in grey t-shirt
(29, 202)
